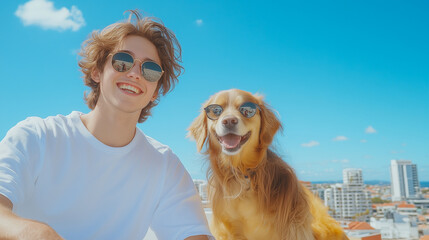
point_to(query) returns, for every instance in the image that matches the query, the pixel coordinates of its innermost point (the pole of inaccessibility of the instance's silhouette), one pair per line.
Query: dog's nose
(229, 121)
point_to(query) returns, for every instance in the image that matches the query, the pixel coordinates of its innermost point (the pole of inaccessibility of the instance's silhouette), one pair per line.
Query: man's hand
(14, 227)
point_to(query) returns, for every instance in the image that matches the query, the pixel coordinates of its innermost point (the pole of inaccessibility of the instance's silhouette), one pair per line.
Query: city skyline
(348, 80)
(364, 210)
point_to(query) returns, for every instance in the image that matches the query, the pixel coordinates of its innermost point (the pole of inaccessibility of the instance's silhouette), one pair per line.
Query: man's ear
(95, 75)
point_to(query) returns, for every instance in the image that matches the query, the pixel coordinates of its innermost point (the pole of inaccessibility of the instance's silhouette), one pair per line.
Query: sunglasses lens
(248, 109)
(151, 71)
(213, 111)
(122, 62)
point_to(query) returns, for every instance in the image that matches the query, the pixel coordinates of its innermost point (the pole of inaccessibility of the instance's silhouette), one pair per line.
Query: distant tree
(378, 200)
(360, 217)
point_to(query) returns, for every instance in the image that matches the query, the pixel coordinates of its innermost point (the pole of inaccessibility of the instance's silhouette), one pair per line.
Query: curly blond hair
(100, 44)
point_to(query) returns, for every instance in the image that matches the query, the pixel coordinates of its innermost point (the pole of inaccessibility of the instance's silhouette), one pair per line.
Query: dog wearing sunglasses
(253, 192)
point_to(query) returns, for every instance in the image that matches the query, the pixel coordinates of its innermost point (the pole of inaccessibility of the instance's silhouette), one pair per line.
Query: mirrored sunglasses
(123, 62)
(247, 109)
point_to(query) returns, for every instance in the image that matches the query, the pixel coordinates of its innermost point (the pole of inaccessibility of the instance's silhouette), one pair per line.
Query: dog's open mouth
(232, 142)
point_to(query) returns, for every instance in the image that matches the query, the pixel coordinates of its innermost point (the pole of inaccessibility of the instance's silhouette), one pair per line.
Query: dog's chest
(246, 214)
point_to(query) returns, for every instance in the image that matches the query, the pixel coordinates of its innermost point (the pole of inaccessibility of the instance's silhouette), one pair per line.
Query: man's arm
(14, 227)
(179, 213)
(199, 237)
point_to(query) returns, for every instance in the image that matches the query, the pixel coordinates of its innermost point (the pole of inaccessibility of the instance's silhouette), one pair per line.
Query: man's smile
(130, 89)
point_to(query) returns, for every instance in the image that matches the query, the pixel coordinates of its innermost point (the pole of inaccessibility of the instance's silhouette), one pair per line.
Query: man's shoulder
(35, 120)
(159, 150)
(155, 144)
(42, 126)
(63, 119)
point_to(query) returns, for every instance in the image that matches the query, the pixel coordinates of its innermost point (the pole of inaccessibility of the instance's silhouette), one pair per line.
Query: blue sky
(349, 79)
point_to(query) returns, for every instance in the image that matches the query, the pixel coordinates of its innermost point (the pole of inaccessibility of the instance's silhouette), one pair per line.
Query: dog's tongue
(230, 140)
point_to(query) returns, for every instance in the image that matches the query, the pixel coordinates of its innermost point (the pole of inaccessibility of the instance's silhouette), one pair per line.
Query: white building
(396, 226)
(361, 231)
(421, 204)
(383, 208)
(404, 180)
(349, 201)
(201, 186)
(352, 177)
(409, 210)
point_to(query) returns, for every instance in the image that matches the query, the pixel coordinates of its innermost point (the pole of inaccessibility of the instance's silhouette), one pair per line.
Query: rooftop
(405, 205)
(359, 226)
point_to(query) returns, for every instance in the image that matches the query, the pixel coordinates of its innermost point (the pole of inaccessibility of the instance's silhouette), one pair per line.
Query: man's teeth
(129, 88)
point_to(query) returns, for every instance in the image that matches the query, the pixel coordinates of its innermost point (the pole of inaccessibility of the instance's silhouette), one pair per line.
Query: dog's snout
(230, 121)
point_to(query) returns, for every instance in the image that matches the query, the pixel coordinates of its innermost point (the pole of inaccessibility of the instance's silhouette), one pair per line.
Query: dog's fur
(254, 193)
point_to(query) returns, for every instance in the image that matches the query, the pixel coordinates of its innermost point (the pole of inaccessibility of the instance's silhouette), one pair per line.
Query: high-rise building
(349, 201)
(352, 176)
(404, 180)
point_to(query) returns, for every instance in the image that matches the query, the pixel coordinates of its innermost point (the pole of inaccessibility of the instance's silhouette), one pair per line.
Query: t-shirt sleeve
(18, 151)
(179, 213)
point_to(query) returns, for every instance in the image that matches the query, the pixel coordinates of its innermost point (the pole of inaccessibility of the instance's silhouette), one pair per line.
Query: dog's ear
(198, 130)
(270, 124)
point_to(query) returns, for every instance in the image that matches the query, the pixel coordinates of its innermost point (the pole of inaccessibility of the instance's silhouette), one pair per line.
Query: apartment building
(349, 201)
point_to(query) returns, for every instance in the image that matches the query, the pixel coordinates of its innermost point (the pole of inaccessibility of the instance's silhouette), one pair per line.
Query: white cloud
(363, 141)
(310, 144)
(340, 161)
(370, 130)
(340, 138)
(42, 13)
(199, 22)
(308, 173)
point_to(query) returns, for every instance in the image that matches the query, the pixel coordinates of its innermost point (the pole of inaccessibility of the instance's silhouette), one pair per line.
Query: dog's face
(235, 124)
(234, 120)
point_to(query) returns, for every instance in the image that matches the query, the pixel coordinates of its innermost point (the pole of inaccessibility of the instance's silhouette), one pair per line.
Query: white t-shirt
(55, 171)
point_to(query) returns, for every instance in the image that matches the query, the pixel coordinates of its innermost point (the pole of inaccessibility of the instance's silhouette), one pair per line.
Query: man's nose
(135, 71)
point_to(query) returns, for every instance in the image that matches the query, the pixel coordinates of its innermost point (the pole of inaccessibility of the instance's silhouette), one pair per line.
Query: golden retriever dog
(253, 192)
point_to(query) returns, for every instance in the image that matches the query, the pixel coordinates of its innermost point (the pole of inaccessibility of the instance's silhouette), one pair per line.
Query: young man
(95, 175)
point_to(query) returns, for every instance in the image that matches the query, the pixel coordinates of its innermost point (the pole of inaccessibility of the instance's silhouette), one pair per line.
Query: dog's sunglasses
(123, 62)
(247, 109)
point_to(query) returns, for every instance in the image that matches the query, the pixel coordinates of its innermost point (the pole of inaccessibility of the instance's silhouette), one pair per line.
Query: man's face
(128, 92)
